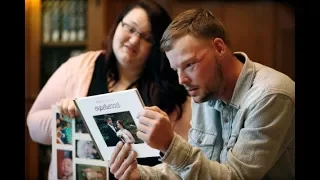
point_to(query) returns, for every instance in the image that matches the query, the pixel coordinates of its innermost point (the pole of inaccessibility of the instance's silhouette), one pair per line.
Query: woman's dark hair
(121, 123)
(158, 83)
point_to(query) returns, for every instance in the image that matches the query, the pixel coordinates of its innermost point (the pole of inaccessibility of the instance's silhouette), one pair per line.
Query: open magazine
(74, 155)
(112, 117)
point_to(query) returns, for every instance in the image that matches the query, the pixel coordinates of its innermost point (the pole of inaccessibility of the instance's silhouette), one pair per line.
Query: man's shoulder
(270, 81)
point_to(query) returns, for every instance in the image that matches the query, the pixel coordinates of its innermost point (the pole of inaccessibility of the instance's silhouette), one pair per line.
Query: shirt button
(225, 120)
(226, 144)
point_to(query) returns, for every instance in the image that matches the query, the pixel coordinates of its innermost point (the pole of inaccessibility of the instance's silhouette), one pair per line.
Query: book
(74, 155)
(112, 117)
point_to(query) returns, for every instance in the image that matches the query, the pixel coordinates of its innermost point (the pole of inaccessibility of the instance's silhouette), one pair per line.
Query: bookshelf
(63, 33)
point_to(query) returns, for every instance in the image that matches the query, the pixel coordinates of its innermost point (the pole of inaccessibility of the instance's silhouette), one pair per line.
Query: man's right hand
(67, 107)
(123, 163)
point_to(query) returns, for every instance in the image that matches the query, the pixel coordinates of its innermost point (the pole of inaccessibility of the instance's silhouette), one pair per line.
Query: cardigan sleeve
(70, 80)
(40, 115)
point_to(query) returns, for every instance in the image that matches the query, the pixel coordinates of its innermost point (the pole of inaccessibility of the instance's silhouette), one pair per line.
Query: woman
(124, 133)
(132, 58)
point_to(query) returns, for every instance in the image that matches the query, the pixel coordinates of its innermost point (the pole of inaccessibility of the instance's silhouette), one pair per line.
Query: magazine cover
(111, 118)
(74, 155)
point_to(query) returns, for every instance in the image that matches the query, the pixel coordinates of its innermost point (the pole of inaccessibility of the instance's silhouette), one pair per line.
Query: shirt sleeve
(160, 172)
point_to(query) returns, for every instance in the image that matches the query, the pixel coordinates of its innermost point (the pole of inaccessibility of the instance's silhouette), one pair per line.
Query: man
(243, 113)
(112, 134)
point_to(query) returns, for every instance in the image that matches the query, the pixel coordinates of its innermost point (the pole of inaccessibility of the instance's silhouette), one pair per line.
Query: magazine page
(74, 155)
(112, 117)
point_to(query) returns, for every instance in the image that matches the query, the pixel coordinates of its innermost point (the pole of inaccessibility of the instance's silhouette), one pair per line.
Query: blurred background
(58, 29)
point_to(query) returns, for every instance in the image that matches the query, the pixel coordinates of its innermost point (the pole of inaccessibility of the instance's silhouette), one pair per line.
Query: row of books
(64, 20)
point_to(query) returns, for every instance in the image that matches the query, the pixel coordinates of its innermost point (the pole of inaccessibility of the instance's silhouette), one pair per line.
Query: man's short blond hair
(199, 23)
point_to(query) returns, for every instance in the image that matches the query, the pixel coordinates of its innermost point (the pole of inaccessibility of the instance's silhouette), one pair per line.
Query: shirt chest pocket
(203, 140)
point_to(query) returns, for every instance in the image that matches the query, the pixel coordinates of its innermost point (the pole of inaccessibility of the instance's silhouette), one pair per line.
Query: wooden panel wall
(96, 23)
(32, 54)
(263, 30)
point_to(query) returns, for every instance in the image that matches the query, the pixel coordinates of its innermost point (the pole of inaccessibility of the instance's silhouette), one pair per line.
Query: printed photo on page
(110, 118)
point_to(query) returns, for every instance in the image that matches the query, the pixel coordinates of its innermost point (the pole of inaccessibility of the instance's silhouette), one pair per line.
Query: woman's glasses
(132, 30)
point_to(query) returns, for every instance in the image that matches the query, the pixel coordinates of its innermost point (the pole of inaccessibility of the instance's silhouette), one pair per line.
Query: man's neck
(231, 70)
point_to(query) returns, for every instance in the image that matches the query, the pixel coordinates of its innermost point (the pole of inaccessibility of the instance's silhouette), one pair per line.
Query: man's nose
(183, 79)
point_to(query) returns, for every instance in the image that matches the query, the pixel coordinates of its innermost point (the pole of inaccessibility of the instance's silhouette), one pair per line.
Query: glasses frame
(132, 30)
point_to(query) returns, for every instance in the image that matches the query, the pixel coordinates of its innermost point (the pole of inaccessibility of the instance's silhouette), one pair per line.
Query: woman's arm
(40, 115)
(132, 140)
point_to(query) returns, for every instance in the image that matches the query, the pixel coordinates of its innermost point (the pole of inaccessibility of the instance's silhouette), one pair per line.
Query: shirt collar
(242, 86)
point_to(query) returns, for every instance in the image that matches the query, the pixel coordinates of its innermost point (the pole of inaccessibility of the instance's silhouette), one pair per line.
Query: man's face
(195, 61)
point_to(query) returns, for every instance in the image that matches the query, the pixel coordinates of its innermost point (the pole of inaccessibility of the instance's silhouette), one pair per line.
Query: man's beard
(212, 90)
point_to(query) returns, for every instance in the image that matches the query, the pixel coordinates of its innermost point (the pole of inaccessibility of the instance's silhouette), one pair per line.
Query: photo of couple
(117, 127)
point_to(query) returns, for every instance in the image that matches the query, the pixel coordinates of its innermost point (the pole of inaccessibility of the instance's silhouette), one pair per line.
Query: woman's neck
(128, 75)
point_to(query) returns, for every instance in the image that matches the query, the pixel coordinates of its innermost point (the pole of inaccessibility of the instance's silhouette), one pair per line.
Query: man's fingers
(148, 114)
(120, 158)
(129, 170)
(152, 113)
(127, 162)
(115, 152)
(142, 136)
(145, 122)
(155, 108)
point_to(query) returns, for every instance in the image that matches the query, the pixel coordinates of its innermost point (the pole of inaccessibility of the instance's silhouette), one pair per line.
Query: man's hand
(123, 163)
(155, 128)
(67, 107)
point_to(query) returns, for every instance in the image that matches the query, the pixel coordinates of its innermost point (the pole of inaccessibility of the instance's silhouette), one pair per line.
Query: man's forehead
(179, 56)
(182, 51)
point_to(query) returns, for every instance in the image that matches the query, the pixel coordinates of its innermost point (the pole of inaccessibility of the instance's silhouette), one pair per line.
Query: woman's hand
(67, 107)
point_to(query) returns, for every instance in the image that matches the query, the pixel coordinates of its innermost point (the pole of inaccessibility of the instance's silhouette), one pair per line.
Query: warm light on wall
(31, 4)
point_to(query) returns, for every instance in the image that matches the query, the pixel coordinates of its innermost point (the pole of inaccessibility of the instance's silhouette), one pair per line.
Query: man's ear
(219, 46)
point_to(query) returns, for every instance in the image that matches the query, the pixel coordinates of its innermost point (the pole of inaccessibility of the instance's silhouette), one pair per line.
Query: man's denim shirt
(252, 137)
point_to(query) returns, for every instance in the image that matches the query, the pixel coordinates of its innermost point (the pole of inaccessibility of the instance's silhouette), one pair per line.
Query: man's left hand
(155, 128)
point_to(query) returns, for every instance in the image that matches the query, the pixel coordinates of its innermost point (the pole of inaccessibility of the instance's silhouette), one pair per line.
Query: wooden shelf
(64, 44)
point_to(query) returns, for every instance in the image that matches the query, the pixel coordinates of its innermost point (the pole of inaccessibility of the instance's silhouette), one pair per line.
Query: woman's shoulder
(84, 59)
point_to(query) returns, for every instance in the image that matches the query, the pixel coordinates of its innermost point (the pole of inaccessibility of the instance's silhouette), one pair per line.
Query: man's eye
(189, 64)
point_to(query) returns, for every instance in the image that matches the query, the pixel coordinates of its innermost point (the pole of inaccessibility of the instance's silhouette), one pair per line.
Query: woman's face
(132, 40)
(119, 125)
